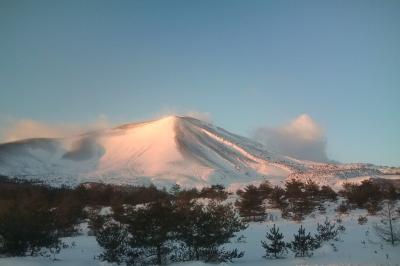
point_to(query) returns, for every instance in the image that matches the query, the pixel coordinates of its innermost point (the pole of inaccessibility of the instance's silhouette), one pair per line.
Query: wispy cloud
(17, 129)
(168, 110)
(205, 116)
(301, 138)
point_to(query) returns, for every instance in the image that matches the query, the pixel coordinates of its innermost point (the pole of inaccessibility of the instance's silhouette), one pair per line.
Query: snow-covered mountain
(170, 150)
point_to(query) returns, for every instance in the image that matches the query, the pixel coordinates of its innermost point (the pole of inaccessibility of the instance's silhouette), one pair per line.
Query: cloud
(301, 138)
(165, 111)
(17, 129)
(168, 111)
(204, 116)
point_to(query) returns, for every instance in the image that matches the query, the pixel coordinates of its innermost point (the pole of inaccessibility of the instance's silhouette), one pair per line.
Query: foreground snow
(358, 246)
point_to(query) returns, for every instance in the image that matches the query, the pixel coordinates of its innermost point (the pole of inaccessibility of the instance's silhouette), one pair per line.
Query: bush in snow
(274, 245)
(341, 228)
(362, 220)
(343, 208)
(389, 228)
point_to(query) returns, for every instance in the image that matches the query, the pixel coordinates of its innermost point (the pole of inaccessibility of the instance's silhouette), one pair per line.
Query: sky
(252, 67)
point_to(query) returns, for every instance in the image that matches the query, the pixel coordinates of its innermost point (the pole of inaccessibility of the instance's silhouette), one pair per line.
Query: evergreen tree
(175, 190)
(300, 199)
(152, 228)
(148, 234)
(250, 203)
(96, 221)
(326, 231)
(26, 228)
(274, 247)
(216, 192)
(277, 197)
(68, 213)
(113, 238)
(311, 189)
(327, 193)
(362, 195)
(187, 195)
(265, 189)
(205, 228)
(303, 244)
(294, 189)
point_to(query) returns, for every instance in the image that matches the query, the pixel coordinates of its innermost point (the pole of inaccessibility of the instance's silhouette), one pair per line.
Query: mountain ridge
(173, 149)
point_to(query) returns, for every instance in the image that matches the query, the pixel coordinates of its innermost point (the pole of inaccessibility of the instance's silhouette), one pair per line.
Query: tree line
(35, 217)
(297, 199)
(167, 231)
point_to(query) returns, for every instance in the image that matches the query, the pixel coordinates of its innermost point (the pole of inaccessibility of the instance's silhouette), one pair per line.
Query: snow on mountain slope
(170, 150)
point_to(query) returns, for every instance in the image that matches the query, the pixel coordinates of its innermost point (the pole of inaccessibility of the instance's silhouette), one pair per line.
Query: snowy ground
(358, 246)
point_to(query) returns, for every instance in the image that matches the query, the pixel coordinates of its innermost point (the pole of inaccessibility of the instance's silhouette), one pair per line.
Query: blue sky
(249, 64)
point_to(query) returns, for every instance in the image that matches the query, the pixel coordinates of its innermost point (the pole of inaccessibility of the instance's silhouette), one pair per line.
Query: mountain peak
(165, 120)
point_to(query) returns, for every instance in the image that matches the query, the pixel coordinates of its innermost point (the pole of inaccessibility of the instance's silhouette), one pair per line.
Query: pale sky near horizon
(248, 64)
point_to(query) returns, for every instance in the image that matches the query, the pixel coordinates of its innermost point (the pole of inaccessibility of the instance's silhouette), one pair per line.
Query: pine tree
(175, 190)
(303, 244)
(300, 199)
(294, 189)
(250, 203)
(152, 228)
(26, 228)
(274, 247)
(215, 192)
(205, 228)
(67, 214)
(311, 189)
(326, 231)
(327, 193)
(148, 234)
(277, 197)
(265, 189)
(113, 238)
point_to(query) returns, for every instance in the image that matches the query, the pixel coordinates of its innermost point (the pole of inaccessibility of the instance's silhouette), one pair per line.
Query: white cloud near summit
(301, 138)
(204, 116)
(169, 110)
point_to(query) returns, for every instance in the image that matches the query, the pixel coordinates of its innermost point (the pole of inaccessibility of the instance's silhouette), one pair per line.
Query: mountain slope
(170, 150)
